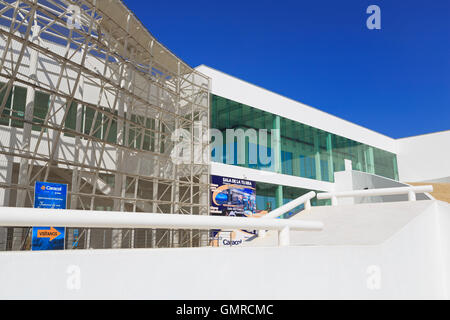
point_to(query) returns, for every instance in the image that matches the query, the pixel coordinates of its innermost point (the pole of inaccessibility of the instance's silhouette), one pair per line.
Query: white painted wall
(409, 265)
(443, 225)
(238, 90)
(425, 157)
(356, 180)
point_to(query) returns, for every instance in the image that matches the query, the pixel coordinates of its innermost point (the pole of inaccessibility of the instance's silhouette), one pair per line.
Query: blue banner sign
(49, 196)
(232, 198)
(48, 238)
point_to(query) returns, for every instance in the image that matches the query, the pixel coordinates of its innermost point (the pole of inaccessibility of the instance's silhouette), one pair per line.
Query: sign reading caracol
(49, 196)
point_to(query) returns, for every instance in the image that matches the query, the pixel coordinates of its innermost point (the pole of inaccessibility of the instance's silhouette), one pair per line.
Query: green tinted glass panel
(90, 115)
(132, 132)
(71, 119)
(4, 119)
(148, 136)
(305, 151)
(18, 108)
(140, 122)
(41, 103)
(267, 197)
(112, 124)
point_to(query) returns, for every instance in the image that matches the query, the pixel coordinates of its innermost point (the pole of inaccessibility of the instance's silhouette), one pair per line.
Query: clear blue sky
(395, 80)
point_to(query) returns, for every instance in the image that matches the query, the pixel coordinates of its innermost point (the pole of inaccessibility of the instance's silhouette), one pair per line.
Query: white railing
(410, 191)
(27, 217)
(305, 199)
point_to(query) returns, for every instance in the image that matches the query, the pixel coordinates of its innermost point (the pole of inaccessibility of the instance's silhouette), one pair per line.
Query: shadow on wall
(356, 180)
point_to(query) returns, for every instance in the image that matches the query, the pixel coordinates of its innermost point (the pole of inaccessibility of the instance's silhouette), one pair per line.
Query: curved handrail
(305, 199)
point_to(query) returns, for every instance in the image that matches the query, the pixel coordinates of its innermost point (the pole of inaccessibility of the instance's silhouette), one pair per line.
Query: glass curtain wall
(266, 198)
(14, 112)
(305, 151)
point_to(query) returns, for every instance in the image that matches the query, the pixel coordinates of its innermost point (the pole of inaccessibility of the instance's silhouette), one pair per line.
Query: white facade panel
(270, 177)
(424, 158)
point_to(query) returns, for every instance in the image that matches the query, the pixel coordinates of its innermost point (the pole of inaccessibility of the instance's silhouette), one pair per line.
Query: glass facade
(268, 198)
(105, 125)
(304, 151)
(14, 112)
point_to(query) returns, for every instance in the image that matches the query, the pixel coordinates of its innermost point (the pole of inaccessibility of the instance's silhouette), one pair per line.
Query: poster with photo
(232, 197)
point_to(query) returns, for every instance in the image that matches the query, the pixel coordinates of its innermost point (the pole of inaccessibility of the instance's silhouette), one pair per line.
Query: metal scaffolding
(103, 105)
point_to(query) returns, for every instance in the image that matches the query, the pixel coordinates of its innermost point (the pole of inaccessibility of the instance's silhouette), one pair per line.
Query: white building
(104, 118)
(90, 99)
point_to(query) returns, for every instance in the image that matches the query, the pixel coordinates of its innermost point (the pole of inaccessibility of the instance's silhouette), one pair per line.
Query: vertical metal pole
(76, 154)
(370, 160)
(124, 103)
(284, 237)
(156, 173)
(276, 149)
(23, 180)
(279, 196)
(276, 144)
(360, 166)
(78, 128)
(28, 117)
(334, 201)
(205, 178)
(395, 166)
(308, 205)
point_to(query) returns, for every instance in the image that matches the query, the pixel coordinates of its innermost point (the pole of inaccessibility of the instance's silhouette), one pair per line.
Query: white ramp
(353, 225)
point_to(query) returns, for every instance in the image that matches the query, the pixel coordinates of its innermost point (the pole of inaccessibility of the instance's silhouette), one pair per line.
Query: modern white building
(91, 100)
(104, 117)
(314, 145)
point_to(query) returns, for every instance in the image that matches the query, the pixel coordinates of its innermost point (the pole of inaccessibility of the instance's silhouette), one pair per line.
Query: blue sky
(395, 80)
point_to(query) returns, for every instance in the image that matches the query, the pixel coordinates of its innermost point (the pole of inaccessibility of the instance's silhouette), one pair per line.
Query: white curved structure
(368, 251)
(89, 98)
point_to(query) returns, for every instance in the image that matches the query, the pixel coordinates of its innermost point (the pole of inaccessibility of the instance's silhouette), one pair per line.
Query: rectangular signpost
(49, 196)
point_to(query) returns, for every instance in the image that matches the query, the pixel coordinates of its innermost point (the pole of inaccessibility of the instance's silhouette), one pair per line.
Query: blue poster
(232, 198)
(49, 196)
(48, 238)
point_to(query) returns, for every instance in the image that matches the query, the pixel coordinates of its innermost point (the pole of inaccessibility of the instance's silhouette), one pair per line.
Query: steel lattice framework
(102, 102)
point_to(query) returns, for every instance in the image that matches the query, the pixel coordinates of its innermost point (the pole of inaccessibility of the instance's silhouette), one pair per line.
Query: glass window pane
(90, 115)
(111, 123)
(19, 101)
(306, 151)
(4, 119)
(71, 119)
(40, 110)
